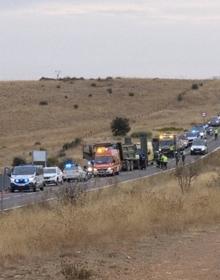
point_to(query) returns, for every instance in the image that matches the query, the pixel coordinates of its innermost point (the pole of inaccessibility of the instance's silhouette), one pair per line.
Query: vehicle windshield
(166, 143)
(198, 142)
(50, 170)
(196, 129)
(191, 134)
(24, 170)
(70, 168)
(103, 160)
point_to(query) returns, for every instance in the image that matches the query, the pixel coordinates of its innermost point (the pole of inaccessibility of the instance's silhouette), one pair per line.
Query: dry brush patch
(106, 217)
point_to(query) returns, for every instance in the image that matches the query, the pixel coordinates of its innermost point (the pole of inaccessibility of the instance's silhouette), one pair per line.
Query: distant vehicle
(199, 146)
(200, 129)
(210, 131)
(214, 122)
(191, 136)
(74, 172)
(167, 144)
(184, 142)
(27, 177)
(53, 175)
(111, 157)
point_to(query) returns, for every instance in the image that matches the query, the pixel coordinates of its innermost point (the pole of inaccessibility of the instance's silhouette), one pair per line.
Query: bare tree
(185, 176)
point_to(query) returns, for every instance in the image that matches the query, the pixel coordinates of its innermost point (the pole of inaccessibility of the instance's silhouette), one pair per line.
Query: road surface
(9, 201)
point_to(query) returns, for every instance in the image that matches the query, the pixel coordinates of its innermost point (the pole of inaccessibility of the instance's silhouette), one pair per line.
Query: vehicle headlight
(95, 169)
(109, 169)
(89, 169)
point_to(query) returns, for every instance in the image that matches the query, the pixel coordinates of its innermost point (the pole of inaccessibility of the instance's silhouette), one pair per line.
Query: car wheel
(41, 188)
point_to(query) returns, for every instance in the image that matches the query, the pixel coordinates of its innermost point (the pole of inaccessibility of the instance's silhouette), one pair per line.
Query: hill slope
(149, 104)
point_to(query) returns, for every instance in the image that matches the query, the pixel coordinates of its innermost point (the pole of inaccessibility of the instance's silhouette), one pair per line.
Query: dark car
(214, 122)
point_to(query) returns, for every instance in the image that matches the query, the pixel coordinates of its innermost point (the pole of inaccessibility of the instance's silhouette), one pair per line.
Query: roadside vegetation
(128, 212)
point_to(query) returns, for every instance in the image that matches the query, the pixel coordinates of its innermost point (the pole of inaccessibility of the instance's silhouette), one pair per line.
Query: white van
(27, 178)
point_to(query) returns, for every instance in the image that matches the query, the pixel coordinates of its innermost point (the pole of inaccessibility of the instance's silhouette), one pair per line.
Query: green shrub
(138, 134)
(52, 161)
(120, 126)
(131, 94)
(43, 103)
(195, 86)
(109, 90)
(18, 161)
(179, 97)
(72, 144)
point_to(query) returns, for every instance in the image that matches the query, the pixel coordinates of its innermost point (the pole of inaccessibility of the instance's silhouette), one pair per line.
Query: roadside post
(2, 186)
(204, 115)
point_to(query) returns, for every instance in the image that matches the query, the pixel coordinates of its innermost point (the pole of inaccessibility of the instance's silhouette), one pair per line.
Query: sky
(99, 38)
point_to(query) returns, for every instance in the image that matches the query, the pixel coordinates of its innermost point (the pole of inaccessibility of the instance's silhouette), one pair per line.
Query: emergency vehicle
(107, 161)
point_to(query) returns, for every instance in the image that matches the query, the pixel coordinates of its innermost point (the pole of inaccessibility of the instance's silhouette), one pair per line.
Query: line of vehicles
(110, 158)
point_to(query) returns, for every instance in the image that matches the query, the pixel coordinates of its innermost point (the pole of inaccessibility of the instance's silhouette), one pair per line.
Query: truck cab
(106, 162)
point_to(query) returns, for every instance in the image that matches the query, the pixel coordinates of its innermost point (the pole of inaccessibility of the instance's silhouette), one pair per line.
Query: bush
(76, 106)
(37, 143)
(109, 90)
(43, 103)
(52, 161)
(179, 97)
(195, 86)
(18, 161)
(75, 271)
(138, 134)
(120, 126)
(131, 94)
(185, 176)
(171, 128)
(93, 84)
(66, 97)
(58, 86)
(61, 153)
(90, 95)
(72, 144)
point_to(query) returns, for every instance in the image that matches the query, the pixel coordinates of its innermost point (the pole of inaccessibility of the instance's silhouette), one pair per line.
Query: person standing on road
(177, 158)
(216, 133)
(164, 161)
(183, 157)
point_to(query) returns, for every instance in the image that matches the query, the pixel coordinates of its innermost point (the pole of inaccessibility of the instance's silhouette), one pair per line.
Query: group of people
(161, 160)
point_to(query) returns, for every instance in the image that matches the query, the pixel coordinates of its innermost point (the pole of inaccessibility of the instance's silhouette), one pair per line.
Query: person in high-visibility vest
(216, 133)
(164, 160)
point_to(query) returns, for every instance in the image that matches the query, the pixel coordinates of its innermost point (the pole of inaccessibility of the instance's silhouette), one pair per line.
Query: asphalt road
(9, 201)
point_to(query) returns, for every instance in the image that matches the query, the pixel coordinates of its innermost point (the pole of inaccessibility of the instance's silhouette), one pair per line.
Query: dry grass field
(26, 124)
(118, 233)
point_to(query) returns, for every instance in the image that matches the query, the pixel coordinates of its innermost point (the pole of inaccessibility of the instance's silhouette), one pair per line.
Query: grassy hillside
(48, 114)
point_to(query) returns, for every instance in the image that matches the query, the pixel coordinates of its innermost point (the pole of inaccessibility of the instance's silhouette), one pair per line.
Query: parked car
(53, 176)
(74, 172)
(199, 147)
(27, 177)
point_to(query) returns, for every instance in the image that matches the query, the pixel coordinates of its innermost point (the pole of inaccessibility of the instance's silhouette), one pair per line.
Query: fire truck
(110, 158)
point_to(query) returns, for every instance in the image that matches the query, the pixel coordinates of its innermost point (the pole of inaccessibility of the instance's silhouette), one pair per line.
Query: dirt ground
(189, 256)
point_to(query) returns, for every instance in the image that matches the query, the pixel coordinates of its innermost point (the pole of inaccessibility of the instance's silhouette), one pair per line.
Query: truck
(112, 157)
(167, 143)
